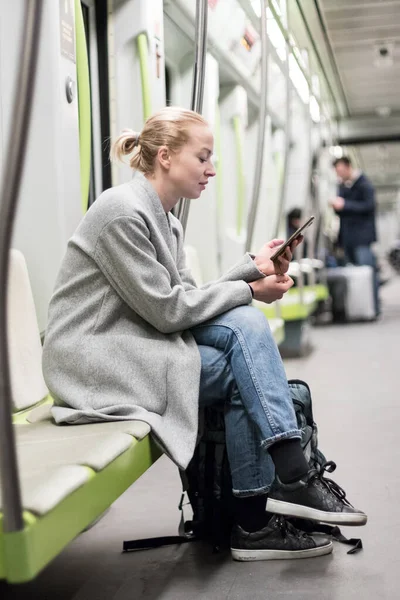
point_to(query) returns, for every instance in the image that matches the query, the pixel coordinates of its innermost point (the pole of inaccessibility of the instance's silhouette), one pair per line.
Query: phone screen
(293, 237)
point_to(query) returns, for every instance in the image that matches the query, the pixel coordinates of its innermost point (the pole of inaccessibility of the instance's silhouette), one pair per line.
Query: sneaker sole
(252, 555)
(305, 512)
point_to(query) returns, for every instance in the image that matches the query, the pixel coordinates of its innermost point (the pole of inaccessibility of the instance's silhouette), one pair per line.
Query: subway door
(233, 124)
(202, 228)
(50, 195)
(136, 66)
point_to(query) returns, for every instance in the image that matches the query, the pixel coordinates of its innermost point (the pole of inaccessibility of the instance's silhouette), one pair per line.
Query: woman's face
(192, 167)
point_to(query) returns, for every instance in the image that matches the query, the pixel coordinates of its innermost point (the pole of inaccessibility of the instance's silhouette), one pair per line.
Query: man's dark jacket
(357, 219)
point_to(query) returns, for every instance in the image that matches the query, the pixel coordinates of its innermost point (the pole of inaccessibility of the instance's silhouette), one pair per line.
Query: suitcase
(352, 290)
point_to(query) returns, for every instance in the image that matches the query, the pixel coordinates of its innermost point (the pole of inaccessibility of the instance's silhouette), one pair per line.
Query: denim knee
(246, 318)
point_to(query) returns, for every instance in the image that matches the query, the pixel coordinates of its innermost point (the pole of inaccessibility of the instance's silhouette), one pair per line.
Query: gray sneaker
(317, 498)
(278, 540)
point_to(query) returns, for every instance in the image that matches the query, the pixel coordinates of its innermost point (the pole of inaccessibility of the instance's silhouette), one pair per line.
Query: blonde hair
(168, 127)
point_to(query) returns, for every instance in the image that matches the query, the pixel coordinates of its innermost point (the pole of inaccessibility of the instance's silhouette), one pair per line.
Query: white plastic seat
(52, 459)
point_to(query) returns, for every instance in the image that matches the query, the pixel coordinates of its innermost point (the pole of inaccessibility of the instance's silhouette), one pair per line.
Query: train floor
(353, 377)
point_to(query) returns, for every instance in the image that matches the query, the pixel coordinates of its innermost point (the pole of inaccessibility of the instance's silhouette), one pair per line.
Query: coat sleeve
(128, 259)
(244, 270)
(365, 205)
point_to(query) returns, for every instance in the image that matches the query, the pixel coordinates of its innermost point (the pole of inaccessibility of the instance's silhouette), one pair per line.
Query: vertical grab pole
(182, 208)
(17, 142)
(240, 179)
(288, 114)
(261, 127)
(309, 205)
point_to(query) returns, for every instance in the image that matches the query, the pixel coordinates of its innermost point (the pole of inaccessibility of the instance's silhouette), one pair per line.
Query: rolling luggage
(352, 290)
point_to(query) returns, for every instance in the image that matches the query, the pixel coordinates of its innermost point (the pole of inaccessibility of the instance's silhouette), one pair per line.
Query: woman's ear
(164, 157)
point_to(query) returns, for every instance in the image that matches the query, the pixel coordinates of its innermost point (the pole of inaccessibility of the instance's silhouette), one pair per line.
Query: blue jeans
(363, 255)
(241, 368)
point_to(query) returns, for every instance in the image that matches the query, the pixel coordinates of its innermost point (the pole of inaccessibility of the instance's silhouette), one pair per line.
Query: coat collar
(153, 202)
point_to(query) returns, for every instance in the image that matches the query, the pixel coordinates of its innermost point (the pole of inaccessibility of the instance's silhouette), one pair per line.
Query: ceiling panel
(356, 29)
(348, 35)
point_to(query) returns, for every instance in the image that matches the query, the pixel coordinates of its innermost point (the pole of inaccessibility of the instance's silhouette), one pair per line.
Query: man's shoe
(278, 540)
(317, 498)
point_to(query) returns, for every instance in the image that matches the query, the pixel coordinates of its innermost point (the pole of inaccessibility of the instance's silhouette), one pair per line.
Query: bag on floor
(208, 485)
(207, 479)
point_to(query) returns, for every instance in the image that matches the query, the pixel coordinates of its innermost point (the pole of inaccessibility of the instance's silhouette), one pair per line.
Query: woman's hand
(281, 265)
(271, 288)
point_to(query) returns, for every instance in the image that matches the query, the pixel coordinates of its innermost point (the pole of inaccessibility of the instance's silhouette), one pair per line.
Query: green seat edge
(25, 553)
(321, 292)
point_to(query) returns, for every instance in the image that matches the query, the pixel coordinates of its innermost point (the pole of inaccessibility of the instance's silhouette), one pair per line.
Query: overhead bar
(288, 116)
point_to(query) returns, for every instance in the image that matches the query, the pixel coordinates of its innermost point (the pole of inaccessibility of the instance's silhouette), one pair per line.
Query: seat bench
(69, 474)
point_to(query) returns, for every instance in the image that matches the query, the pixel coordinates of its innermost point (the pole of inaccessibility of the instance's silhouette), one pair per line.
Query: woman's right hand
(271, 288)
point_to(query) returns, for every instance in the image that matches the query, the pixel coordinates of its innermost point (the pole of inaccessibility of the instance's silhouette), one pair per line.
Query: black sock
(250, 512)
(290, 462)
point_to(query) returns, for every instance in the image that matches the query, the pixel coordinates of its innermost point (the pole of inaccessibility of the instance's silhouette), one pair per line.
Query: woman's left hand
(281, 265)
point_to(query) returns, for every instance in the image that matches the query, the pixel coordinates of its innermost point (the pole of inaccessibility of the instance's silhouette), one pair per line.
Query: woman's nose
(210, 171)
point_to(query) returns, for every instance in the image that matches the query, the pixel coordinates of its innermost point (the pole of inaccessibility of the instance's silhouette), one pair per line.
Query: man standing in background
(355, 205)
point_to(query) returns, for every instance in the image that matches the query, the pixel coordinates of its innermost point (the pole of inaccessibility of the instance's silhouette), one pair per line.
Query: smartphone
(293, 237)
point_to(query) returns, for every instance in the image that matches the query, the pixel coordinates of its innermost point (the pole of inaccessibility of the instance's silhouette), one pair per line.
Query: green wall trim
(218, 151)
(241, 188)
(3, 572)
(143, 51)
(84, 106)
(27, 552)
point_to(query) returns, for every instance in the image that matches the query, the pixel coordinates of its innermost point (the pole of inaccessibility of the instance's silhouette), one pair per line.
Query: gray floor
(353, 377)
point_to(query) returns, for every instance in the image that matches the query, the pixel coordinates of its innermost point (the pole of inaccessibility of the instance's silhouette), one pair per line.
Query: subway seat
(66, 472)
(55, 460)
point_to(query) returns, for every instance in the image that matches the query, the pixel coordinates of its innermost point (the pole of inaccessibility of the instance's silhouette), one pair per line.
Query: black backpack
(207, 481)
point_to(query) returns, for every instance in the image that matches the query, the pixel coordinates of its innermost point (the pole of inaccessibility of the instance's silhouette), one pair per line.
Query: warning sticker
(67, 29)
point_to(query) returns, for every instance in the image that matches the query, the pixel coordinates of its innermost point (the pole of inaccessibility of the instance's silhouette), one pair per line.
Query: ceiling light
(383, 111)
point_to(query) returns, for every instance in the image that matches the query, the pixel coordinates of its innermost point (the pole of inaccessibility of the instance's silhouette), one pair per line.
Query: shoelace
(333, 487)
(286, 527)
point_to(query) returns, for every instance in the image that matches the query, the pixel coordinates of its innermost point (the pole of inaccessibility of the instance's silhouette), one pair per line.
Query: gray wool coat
(118, 344)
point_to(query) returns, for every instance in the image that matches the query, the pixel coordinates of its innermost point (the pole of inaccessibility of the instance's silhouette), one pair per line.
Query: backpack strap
(185, 535)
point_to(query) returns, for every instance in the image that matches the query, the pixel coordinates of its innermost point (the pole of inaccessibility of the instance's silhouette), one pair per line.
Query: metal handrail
(288, 115)
(240, 177)
(16, 148)
(309, 206)
(182, 208)
(261, 127)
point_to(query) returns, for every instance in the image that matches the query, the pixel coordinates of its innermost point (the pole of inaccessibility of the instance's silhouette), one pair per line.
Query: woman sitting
(131, 336)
